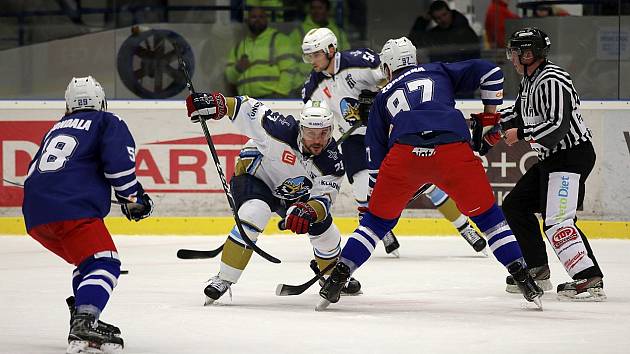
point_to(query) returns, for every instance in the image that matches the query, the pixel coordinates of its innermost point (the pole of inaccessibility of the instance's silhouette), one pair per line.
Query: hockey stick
(197, 254)
(22, 186)
(289, 290)
(217, 163)
(347, 134)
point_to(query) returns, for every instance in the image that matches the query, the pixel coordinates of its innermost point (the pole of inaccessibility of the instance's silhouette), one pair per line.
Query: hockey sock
(447, 207)
(101, 276)
(77, 278)
(235, 257)
(361, 243)
(500, 238)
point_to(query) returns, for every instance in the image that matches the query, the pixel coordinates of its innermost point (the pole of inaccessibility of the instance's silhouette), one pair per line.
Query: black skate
(86, 337)
(216, 289)
(591, 289)
(391, 244)
(473, 238)
(353, 287)
(539, 274)
(530, 290)
(102, 325)
(331, 291)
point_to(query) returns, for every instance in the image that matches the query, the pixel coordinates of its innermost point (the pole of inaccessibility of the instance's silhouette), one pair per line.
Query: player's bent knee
(254, 215)
(101, 266)
(379, 226)
(327, 244)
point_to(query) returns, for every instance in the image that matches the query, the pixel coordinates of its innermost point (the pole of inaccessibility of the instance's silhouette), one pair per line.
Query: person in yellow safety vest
(263, 64)
(318, 17)
(270, 5)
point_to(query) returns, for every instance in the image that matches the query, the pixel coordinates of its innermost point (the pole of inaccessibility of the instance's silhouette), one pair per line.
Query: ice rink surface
(439, 297)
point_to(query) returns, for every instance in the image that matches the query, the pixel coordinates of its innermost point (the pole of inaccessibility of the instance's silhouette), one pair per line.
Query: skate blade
(591, 295)
(394, 253)
(82, 347)
(537, 300)
(111, 348)
(352, 294)
(322, 305)
(544, 284)
(209, 301)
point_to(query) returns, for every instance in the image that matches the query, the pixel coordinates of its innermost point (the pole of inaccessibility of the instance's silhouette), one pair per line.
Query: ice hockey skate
(352, 287)
(87, 338)
(391, 244)
(474, 239)
(331, 291)
(530, 290)
(591, 289)
(102, 325)
(539, 274)
(216, 289)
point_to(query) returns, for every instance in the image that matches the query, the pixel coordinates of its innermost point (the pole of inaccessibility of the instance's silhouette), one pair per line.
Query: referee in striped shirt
(546, 115)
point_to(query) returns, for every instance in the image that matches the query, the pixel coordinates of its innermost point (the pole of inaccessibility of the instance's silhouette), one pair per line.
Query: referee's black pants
(529, 197)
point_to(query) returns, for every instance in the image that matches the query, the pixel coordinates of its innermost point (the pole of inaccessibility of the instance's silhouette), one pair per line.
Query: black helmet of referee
(529, 38)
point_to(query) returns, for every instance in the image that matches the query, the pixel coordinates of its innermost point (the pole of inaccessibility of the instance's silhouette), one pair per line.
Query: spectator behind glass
(261, 64)
(318, 17)
(496, 15)
(451, 40)
(547, 10)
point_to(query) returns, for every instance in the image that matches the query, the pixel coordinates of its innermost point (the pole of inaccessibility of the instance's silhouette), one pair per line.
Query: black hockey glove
(486, 131)
(206, 106)
(299, 218)
(138, 210)
(366, 98)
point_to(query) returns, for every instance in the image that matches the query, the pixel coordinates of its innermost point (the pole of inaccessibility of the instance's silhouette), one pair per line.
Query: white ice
(439, 297)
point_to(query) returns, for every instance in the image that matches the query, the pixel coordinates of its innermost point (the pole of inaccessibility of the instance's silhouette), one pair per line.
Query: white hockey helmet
(318, 39)
(397, 54)
(316, 114)
(85, 93)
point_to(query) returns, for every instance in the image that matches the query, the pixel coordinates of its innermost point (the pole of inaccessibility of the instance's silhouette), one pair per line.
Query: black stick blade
(290, 290)
(197, 254)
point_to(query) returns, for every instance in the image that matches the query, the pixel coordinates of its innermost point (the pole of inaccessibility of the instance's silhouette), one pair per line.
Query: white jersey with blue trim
(274, 155)
(354, 71)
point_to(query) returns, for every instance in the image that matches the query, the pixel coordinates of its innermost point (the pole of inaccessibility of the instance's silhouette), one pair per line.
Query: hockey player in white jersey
(290, 167)
(348, 82)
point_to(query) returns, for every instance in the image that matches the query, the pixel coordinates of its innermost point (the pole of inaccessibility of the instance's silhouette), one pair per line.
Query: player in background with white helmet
(66, 196)
(291, 167)
(348, 81)
(414, 126)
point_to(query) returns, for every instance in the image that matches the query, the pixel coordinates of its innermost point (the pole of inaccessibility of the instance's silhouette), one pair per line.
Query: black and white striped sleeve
(553, 99)
(510, 116)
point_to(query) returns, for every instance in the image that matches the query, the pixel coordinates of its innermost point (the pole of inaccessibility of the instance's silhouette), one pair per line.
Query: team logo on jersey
(349, 108)
(294, 187)
(288, 157)
(332, 154)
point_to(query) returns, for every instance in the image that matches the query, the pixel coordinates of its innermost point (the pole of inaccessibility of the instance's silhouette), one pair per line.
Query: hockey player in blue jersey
(416, 136)
(348, 82)
(66, 196)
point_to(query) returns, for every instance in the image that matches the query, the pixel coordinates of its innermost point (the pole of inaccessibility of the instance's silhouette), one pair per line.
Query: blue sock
(100, 276)
(501, 240)
(362, 242)
(77, 278)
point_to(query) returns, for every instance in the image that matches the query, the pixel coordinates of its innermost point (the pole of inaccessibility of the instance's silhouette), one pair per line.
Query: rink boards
(174, 166)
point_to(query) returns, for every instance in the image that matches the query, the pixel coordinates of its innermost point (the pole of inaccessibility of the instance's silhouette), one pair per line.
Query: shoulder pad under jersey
(283, 128)
(329, 161)
(359, 58)
(311, 84)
